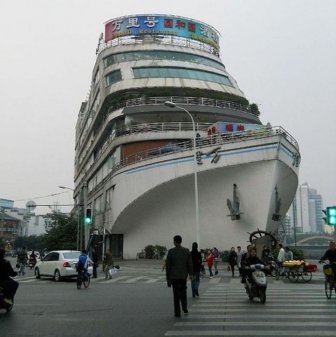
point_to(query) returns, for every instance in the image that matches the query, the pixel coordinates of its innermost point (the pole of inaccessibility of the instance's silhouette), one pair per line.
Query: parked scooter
(4, 305)
(256, 282)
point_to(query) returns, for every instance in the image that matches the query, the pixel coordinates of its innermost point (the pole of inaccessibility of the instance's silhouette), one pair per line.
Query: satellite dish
(31, 205)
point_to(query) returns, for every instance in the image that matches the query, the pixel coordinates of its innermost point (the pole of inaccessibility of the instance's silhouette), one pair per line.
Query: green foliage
(298, 254)
(254, 109)
(225, 255)
(31, 242)
(63, 232)
(155, 252)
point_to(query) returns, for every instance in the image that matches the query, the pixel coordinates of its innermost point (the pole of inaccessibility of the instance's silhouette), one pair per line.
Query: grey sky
(282, 54)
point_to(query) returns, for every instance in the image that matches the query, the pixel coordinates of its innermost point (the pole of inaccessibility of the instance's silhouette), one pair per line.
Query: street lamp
(78, 216)
(173, 105)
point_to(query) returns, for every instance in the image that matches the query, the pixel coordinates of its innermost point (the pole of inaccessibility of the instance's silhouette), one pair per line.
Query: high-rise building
(306, 210)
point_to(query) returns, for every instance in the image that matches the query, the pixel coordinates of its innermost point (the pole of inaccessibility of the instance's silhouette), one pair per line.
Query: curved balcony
(215, 139)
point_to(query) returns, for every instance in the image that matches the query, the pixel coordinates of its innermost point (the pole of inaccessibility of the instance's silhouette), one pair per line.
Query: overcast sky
(281, 52)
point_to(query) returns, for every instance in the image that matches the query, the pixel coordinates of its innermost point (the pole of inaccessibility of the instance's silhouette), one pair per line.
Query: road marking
(236, 333)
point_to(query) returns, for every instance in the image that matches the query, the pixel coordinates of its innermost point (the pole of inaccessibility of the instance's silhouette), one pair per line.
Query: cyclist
(83, 263)
(330, 254)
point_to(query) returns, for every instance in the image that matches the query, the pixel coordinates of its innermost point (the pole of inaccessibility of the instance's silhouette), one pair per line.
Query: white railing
(214, 139)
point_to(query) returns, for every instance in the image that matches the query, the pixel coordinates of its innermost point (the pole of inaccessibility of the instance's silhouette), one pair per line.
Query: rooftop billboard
(139, 25)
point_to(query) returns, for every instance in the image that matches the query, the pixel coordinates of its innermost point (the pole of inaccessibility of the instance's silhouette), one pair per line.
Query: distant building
(306, 211)
(16, 222)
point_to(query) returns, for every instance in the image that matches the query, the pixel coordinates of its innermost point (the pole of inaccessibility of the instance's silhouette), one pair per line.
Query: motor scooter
(3, 305)
(31, 262)
(256, 282)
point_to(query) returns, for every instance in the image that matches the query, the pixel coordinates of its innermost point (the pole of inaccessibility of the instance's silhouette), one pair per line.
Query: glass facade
(180, 73)
(113, 77)
(161, 55)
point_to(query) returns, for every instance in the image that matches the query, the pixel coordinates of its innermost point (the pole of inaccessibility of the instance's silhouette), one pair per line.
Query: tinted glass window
(113, 77)
(161, 55)
(53, 256)
(180, 73)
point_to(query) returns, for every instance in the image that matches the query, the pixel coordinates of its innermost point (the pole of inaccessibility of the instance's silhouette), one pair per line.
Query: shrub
(155, 252)
(149, 252)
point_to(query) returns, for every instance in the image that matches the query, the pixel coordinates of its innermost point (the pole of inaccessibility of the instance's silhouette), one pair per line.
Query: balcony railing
(214, 139)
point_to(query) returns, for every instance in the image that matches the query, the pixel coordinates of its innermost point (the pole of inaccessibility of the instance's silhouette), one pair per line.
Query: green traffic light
(331, 215)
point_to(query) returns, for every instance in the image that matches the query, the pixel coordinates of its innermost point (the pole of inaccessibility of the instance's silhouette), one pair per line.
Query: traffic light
(88, 217)
(331, 215)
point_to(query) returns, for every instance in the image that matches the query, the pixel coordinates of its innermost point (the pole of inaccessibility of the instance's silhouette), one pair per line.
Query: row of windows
(181, 73)
(161, 72)
(160, 55)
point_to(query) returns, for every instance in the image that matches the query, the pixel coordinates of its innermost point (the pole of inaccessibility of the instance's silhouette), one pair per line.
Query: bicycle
(283, 273)
(329, 281)
(83, 278)
(294, 272)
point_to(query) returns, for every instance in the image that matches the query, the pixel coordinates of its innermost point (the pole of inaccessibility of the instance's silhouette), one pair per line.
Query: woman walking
(196, 258)
(210, 261)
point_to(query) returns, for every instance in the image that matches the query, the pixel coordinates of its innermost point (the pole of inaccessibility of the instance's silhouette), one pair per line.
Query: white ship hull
(160, 203)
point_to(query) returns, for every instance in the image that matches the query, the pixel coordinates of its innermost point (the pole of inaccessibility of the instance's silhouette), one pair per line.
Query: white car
(59, 264)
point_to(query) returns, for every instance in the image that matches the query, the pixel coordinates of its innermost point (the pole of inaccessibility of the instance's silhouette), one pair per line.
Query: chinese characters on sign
(161, 25)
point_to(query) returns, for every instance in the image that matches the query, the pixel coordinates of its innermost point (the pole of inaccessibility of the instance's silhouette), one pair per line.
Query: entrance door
(116, 245)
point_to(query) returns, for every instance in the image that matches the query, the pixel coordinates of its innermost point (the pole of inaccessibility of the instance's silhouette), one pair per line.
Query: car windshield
(71, 255)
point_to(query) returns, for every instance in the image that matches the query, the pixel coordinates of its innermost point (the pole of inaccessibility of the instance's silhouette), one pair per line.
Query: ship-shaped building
(167, 143)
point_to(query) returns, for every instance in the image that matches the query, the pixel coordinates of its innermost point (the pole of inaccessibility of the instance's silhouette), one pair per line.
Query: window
(161, 55)
(180, 73)
(113, 77)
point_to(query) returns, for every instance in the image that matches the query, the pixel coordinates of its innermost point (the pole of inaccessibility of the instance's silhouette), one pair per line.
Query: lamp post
(173, 105)
(78, 216)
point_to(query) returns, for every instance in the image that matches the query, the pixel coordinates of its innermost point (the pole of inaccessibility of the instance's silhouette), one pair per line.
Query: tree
(63, 232)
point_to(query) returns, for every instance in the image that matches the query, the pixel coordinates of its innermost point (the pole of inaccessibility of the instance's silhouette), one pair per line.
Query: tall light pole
(173, 105)
(78, 216)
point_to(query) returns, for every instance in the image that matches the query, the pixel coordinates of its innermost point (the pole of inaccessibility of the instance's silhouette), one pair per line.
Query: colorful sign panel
(139, 25)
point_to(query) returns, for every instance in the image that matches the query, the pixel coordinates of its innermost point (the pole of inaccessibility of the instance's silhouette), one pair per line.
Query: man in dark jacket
(178, 266)
(330, 254)
(9, 285)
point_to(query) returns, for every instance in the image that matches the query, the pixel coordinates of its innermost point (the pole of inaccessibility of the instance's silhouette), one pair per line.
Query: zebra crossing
(291, 309)
(126, 279)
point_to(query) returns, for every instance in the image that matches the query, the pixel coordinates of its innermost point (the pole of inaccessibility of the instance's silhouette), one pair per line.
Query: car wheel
(57, 275)
(37, 273)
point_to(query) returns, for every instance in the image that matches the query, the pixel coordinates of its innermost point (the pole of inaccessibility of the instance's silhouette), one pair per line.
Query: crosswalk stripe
(249, 332)
(237, 315)
(290, 310)
(254, 324)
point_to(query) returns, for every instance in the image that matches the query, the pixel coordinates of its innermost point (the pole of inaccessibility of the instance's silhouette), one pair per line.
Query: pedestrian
(95, 261)
(216, 255)
(281, 258)
(210, 261)
(232, 260)
(239, 258)
(108, 265)
(22, 261)
(178, 266)
(196, 258)
(288, 254)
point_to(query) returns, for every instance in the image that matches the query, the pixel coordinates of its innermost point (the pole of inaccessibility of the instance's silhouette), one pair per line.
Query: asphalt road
(137, 302)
